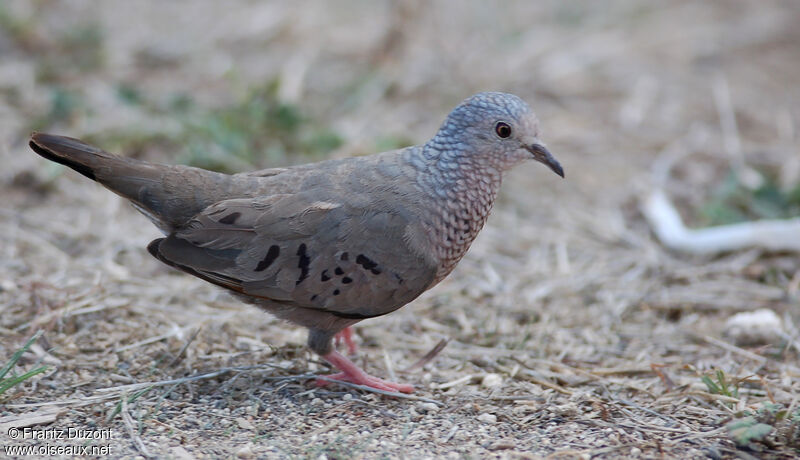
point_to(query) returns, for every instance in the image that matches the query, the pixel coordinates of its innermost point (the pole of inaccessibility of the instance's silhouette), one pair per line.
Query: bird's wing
(352, 261)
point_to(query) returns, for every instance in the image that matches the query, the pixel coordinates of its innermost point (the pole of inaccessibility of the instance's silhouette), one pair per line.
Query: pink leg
(353, 374)
(346, 335)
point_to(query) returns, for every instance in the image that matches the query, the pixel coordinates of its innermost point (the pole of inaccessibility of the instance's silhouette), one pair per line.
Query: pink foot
(346, 335)
(353, 374)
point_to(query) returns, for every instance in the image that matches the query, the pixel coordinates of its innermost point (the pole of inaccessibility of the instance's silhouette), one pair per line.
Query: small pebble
(244, 423)
(759, 327)
(428, 407)
(7, 285)
(245, 451)
(492, 381)
(179, 453)
(487, 418)
(502, 445)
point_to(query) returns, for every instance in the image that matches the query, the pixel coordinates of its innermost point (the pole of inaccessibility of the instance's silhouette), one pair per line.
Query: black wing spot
(272, 254)
(302, 263)
(347, 280)
(376, 271)
(325, 276)
(336, 292)
(231, 218)
(338, 271)
(344, 257)
(313, 297)
(366, 262)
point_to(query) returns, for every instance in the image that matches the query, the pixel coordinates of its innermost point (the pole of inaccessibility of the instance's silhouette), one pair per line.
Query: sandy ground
(572, 332)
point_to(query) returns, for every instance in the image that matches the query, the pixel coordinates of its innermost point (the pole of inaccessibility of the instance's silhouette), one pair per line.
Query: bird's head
(497, 129)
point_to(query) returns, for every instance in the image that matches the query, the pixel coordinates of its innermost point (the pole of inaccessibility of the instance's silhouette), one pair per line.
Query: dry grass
(600, 337)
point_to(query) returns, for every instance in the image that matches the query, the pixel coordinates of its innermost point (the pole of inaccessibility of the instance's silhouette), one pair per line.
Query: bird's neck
(462, 192)
(455, 172)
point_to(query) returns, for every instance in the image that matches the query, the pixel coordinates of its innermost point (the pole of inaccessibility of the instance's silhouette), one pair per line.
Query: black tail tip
(57, 149)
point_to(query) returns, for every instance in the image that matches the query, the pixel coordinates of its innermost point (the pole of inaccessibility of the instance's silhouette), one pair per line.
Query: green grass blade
(18, 354)
(8, 383)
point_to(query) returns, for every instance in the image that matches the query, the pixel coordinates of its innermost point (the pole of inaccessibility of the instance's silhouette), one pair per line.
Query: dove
(328, 244)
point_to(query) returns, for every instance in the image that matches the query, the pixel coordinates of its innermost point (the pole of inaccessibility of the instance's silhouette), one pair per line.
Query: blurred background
(567, 271)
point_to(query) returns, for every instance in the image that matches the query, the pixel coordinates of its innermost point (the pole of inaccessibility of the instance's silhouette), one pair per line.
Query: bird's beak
(542, 155)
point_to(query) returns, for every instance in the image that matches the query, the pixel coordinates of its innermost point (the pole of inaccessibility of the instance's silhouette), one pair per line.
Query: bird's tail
(168, 195)
(74, 153)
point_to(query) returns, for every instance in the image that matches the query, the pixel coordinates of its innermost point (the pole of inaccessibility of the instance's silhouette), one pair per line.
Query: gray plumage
(327, 244)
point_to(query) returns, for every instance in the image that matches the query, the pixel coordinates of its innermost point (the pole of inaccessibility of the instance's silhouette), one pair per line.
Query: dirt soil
(570, 331)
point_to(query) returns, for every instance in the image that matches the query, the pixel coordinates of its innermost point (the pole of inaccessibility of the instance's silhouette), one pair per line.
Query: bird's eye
(502, 129)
